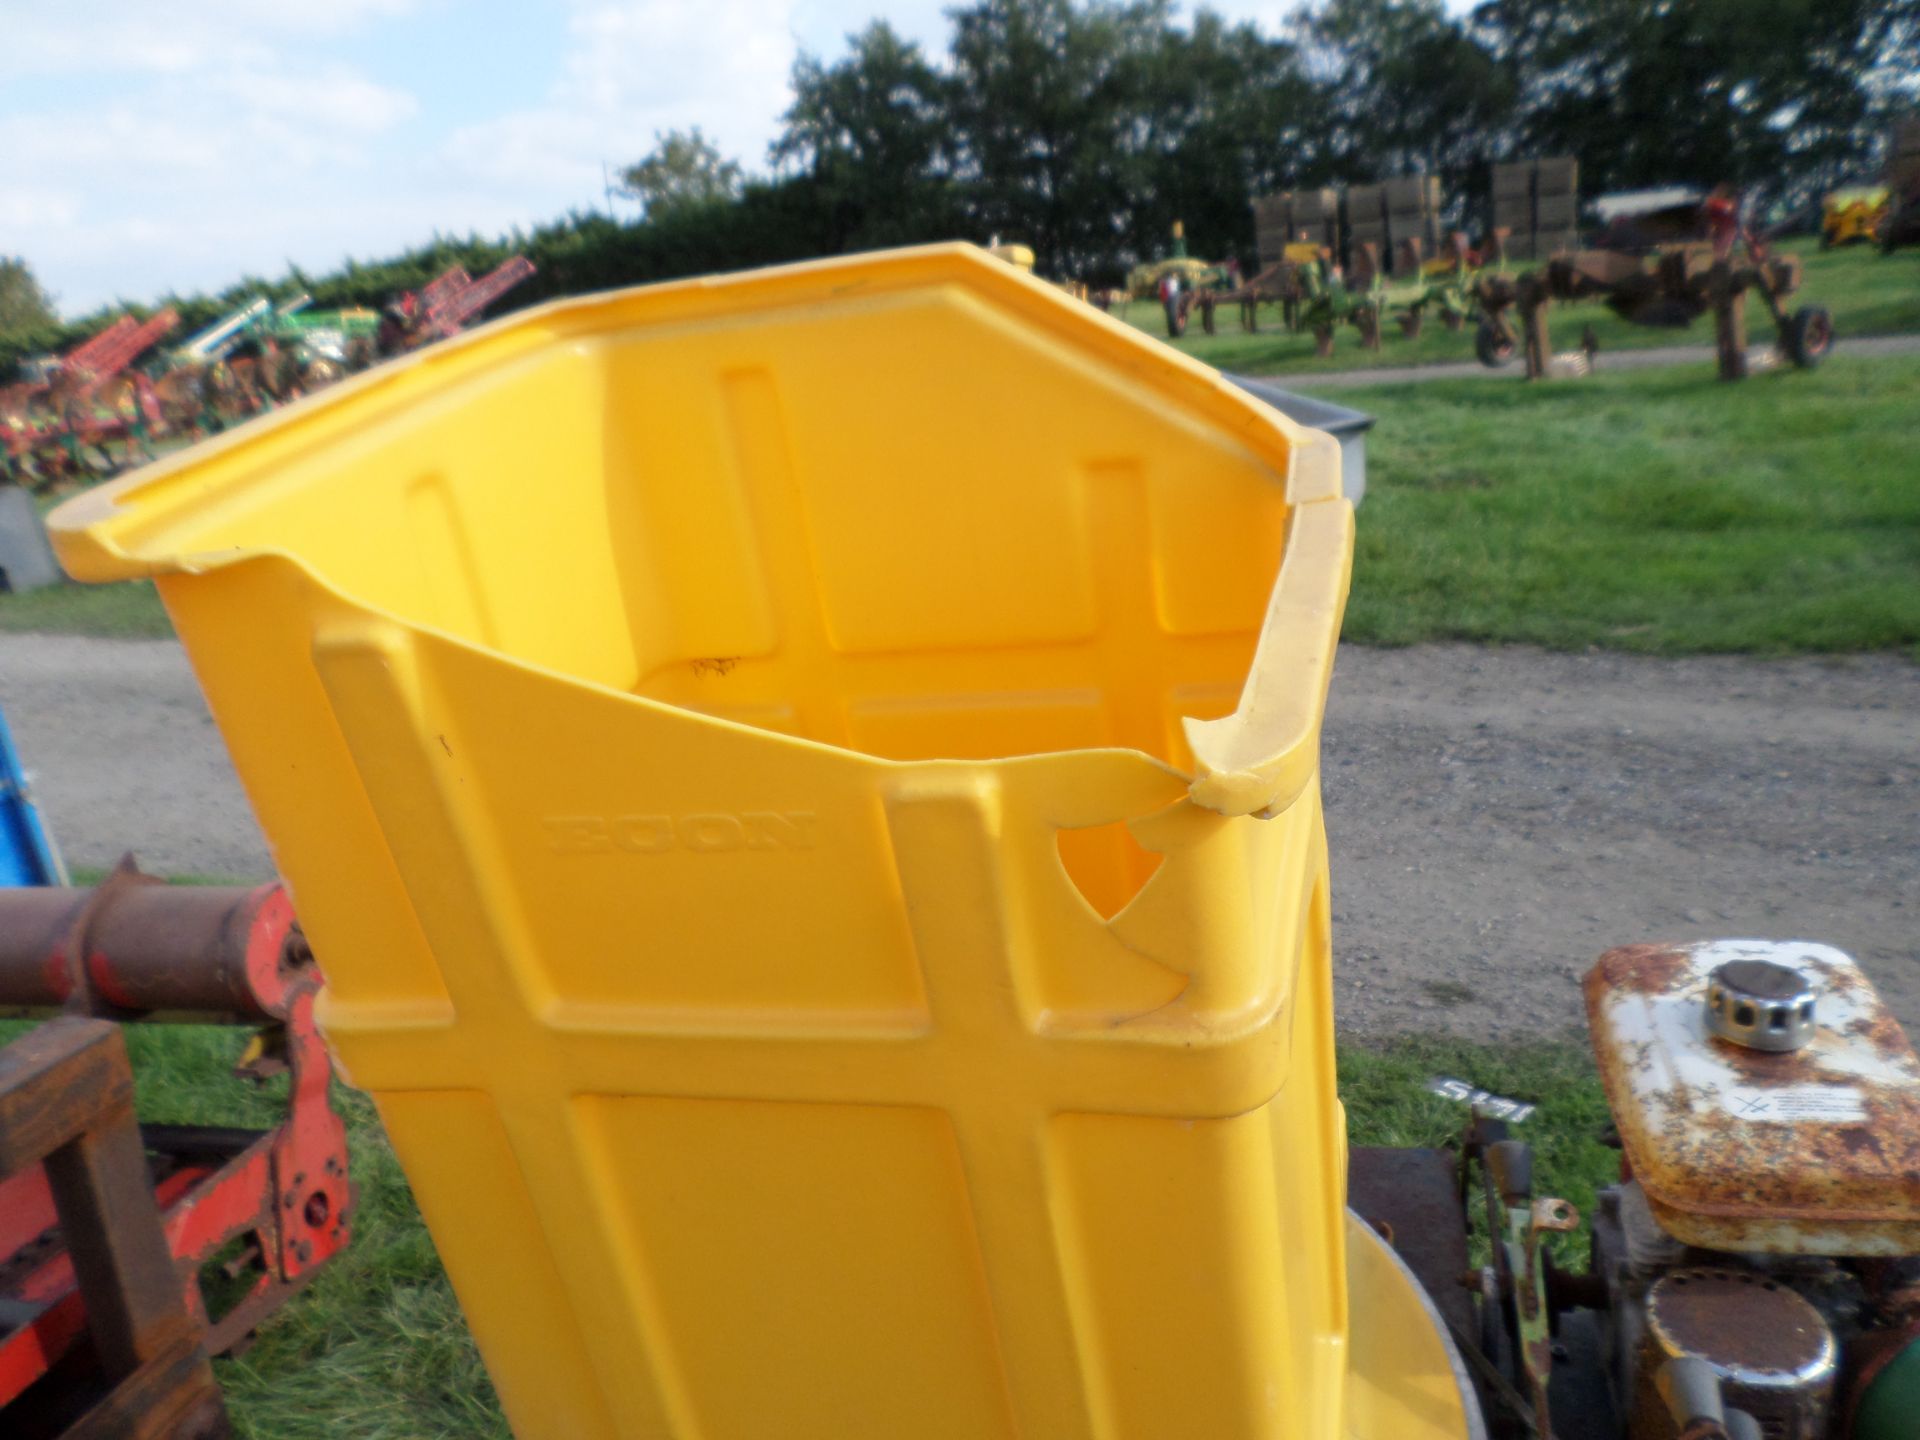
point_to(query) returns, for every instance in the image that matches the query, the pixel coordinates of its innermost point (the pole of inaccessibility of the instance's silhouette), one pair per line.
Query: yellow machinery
(1017, 255)
(805, 786)
(1854, 215)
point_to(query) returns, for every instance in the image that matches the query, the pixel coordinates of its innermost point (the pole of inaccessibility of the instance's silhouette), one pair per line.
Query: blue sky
(154, 147)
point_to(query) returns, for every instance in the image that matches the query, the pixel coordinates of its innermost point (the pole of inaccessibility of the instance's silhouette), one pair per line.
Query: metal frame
(134, 949)
(66, 1112)
(28, 855)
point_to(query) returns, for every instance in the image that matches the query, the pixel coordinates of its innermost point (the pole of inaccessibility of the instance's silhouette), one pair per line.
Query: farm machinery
(64, 420)
(91, 412)
(1853, 216)
(1671, 286)
(129, 1254)
(1445, 285)
(1711, 266)
(1901, 176)
(282, 353)
(259, 355)
(445, 305)
(265, 355)
(1314, 294)
(1181, 284)
(1755, 1272)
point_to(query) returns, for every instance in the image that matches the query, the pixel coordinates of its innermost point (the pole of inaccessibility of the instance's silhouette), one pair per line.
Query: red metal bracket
(274, 1205)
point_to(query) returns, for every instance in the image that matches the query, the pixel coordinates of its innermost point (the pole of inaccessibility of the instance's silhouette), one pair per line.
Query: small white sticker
(1487, 1103)
(1788, 1104)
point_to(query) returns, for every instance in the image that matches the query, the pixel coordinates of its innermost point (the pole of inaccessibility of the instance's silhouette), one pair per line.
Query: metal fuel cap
(1761, 1004)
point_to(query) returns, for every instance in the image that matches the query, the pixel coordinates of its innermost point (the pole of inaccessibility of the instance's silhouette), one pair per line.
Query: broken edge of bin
(1257, 760)
(1253, 762)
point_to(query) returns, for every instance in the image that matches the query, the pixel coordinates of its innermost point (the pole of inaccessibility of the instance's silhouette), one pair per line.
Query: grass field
(1655, 510)
(1658, 511)
(127, 611)
(1866, 292)
(376, 1349)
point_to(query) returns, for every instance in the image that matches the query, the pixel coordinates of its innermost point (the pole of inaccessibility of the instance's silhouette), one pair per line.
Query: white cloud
(635, 67)
(88, 36)
(157, 147)
(24, 207)
(183, 130)
(179, 138)
(333, 99)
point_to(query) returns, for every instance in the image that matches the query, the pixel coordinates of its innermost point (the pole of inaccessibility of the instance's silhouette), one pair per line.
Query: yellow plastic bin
(805, 788)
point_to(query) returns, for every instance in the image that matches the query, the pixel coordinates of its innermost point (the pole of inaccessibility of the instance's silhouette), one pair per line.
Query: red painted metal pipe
(132, 947)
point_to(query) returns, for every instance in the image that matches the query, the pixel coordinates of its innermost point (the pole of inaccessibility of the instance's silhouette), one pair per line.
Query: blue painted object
(27, 854)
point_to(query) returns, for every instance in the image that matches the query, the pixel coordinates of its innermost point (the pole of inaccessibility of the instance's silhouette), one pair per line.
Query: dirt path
(1867, 346)
(1497, 817)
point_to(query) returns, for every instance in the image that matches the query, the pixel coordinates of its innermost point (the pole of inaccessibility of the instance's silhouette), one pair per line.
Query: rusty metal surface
(1775, 1356)
(1813, 1151)
(1529, 1219)
(1416, 1194)
(133, 947)
(1750, 1327)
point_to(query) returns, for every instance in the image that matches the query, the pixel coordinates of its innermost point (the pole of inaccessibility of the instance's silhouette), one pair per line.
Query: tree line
(1085, 128)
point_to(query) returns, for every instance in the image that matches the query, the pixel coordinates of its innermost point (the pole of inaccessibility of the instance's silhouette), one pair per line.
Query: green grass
(376, 1348)
(129, 610)
(1383, 1088)
(94, 874)
(1658, 511)
(1866, 292)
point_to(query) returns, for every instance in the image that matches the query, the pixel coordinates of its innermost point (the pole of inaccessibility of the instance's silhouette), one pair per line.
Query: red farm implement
(67, 423)
(446, 304)
(237, 1220)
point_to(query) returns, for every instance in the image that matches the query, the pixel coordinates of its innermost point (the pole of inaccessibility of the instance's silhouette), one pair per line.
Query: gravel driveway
(1497, 817)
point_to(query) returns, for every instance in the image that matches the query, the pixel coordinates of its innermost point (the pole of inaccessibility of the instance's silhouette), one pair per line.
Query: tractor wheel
(1176, 320)
(1493, 345)
(1809, 336)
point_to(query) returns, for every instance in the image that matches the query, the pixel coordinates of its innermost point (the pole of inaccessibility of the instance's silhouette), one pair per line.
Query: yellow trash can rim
(1254, 761)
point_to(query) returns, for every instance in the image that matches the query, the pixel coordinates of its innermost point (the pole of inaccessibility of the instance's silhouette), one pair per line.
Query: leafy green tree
(685, 170)
(1408, 88)
(1775, 94)
(1050, 102)
(24, 306)
(873, 135)
(1222, 120)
